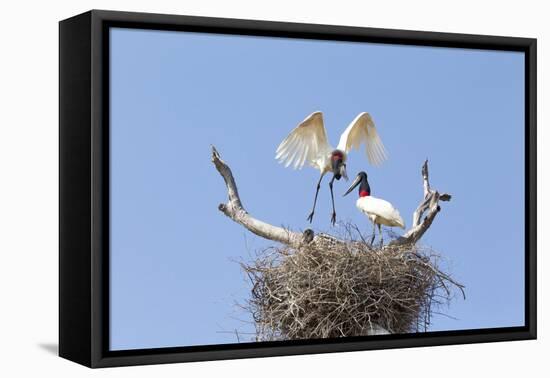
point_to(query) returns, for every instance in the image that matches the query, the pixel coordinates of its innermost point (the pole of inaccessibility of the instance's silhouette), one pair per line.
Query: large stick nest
(332, 289)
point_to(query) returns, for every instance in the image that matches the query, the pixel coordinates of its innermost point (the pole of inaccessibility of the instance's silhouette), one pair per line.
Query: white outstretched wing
(305, 143)
(362, 130)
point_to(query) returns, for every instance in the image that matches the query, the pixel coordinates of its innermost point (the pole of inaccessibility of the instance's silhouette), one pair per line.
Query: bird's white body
(380, 211)
(322, 161)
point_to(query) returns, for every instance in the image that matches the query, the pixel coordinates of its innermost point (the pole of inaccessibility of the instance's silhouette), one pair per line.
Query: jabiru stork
(379, 211)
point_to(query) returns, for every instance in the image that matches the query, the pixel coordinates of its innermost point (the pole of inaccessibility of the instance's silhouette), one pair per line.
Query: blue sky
(174, 279)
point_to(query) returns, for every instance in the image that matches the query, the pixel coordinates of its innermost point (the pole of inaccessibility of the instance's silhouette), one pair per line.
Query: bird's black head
(364, 188)
(363, 175)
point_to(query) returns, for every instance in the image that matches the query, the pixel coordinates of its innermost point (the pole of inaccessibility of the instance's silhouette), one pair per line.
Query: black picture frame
(84, 183)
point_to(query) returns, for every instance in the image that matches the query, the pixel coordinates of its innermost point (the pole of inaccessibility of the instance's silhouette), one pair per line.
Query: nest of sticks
(331, 289)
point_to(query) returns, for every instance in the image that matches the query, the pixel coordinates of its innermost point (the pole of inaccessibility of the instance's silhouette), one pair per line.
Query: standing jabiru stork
(308, 142)
(379, 211)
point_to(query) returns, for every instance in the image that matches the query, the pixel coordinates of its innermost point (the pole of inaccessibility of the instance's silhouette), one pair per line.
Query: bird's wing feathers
(362, 130)
(305, 143)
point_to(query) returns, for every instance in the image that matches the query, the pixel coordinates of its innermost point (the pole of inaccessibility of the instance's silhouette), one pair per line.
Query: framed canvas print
(234, 188)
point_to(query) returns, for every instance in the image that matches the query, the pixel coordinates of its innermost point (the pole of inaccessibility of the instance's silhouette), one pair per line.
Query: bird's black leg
(381, 237)
(373, 233)
(310, 217)
(333, 218)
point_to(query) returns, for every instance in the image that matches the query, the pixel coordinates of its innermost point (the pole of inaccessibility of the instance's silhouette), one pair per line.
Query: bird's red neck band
(364, 193)
(337, 155)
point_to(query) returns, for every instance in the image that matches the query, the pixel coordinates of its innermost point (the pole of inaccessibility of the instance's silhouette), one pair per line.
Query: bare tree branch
(234, 209)
(430, 203)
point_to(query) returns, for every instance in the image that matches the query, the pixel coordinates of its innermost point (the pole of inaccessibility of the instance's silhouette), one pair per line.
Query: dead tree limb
(234, 209)
(429, 204)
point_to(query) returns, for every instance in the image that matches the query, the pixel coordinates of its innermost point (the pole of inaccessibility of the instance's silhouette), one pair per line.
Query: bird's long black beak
(355, 182)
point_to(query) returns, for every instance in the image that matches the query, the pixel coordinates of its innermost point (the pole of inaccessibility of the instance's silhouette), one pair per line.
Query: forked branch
(234, 209)
(429, 204)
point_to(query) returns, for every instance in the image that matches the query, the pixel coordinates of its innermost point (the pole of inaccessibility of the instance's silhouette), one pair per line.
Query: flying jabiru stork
(379, 211)
(308, 142)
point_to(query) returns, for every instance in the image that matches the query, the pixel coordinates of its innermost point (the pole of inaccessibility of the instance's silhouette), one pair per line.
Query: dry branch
(234, 209)
(430, 204)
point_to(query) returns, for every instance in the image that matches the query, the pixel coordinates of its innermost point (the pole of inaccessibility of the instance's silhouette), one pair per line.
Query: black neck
(364, 187)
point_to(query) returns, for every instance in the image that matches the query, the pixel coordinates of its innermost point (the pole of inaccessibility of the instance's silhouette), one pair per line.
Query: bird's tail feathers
(400, 221)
